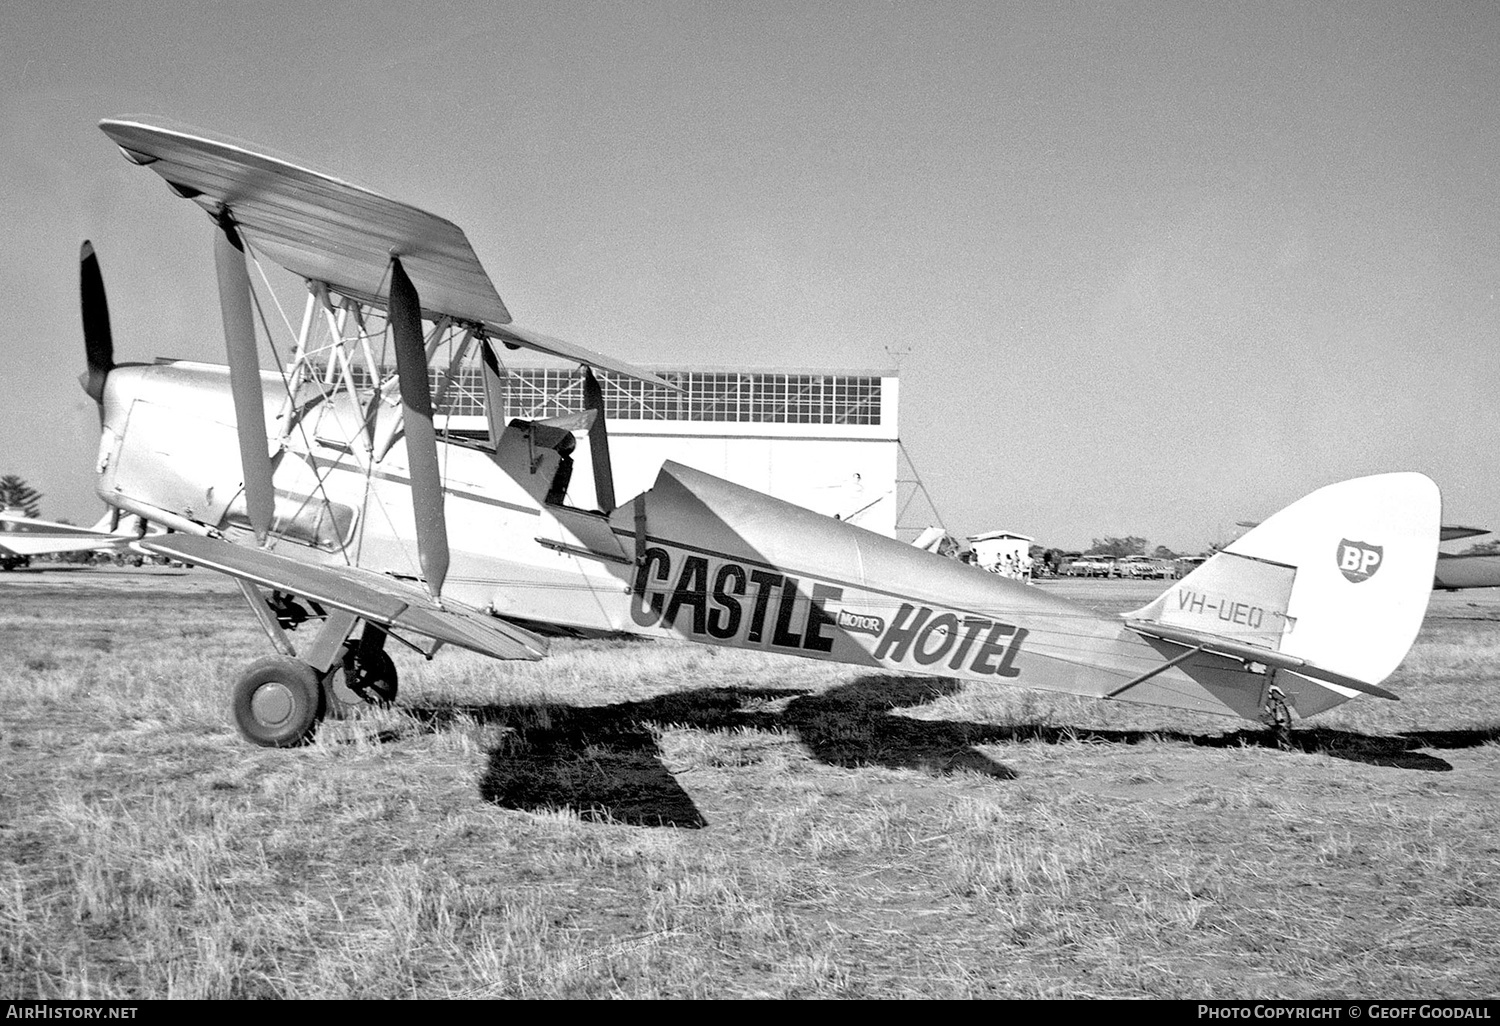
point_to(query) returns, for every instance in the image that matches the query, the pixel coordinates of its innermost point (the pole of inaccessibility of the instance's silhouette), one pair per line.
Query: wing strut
(244, 377)
(494, 392)
(604, 476)
(416, 417)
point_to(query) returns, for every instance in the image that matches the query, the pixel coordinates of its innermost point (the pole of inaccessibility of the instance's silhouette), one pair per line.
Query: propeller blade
(604, 475)
(98, 340)
(405, 312)
(244, 379)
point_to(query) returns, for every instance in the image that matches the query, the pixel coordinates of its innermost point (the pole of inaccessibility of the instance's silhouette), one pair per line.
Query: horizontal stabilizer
(368, 595)
(1253, 653)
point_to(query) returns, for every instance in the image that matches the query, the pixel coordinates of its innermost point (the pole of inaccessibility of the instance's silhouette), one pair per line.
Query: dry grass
(667, 821)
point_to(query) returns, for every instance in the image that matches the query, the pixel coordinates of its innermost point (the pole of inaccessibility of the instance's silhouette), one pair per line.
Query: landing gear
(277, 702)
(362, 678)
(1278, 716)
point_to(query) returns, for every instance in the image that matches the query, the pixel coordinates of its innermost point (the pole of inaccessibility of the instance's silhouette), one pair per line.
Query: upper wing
(332, 231)
(369, 595)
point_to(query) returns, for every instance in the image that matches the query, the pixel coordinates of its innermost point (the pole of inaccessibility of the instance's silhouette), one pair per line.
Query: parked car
(1146, 567)
(1095, 565)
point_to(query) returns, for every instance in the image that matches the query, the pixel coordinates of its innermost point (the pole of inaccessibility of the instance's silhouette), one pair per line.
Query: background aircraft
(22, 537)
(1456, 570)
(324, 490)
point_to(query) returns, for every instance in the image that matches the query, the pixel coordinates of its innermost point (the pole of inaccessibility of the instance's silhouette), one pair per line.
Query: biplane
(352, 520)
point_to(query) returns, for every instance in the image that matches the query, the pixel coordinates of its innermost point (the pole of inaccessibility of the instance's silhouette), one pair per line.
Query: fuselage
(1467, 570)
(695, 557)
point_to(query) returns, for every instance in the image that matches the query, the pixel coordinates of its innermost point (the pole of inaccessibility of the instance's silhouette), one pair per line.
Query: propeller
(405, 312)
(98, 340)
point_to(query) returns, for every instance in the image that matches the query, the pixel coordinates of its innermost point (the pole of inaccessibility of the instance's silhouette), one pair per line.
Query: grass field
(640, 820)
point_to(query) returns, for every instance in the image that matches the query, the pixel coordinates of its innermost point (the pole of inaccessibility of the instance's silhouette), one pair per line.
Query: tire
(277, 703)
(356, 684)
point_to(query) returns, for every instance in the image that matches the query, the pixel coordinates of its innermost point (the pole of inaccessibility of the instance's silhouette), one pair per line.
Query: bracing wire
(286, 386)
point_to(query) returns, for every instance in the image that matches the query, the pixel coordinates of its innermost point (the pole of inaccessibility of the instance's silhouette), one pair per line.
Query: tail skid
(1332, 589)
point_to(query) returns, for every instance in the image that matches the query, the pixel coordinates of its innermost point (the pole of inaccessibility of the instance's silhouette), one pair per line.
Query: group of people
(1016, 566)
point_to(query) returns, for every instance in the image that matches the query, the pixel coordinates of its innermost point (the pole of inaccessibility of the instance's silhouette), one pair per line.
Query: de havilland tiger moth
(325, 489)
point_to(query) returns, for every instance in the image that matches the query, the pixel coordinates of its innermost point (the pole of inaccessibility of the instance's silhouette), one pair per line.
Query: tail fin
(109, 523)
(1339, 581)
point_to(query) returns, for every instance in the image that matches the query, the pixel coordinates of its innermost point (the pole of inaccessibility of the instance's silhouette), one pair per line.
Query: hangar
(823, 439)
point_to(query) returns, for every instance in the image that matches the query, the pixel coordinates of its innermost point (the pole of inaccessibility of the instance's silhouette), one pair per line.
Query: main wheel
(277, 702)
(359, 681)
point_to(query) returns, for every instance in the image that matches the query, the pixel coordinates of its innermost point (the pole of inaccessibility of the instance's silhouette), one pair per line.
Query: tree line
(1131, 545)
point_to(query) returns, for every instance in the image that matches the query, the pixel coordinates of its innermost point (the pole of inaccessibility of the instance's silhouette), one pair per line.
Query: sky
(1144, 268)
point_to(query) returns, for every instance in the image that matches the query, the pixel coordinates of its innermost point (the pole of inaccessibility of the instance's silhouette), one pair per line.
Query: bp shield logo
(1358, 561)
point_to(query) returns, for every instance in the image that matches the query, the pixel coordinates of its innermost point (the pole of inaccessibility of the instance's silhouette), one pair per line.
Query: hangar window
(706, 396)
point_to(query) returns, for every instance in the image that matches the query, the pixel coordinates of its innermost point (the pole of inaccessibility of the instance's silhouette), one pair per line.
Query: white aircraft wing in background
(22, 537)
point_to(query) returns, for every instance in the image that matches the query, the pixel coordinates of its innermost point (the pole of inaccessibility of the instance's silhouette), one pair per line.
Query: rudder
(1340, 578)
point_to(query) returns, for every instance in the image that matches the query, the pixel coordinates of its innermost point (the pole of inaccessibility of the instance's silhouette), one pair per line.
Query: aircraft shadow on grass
(604, 762)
